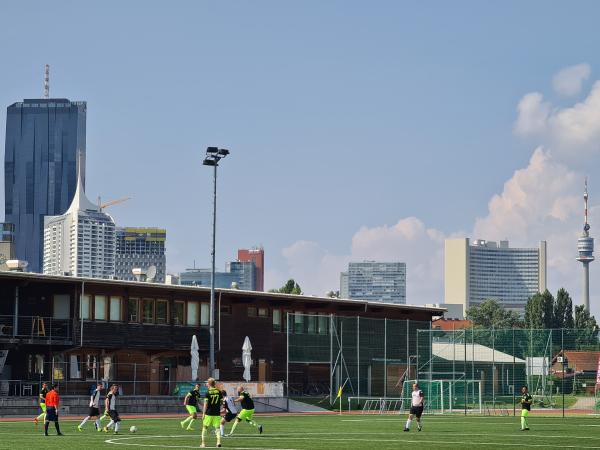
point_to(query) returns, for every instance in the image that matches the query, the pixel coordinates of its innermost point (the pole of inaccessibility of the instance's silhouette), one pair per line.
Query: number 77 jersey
(213, 400)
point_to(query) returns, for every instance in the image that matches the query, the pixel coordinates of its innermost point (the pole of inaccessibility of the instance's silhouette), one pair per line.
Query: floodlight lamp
(223, 152)
(212, 150)
(209, 162)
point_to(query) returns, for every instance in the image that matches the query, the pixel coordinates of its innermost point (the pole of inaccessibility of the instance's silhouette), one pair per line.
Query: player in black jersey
(247, 412)
(42, 396)
(191, 405)
(211, 411)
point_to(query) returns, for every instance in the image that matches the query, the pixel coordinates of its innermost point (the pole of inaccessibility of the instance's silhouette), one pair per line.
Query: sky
(357, 130)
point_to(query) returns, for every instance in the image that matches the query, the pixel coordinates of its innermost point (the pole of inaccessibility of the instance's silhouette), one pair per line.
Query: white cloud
(533, 114)
(568, 81)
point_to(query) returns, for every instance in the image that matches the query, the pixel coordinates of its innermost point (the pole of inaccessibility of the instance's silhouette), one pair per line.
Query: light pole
(212, 158)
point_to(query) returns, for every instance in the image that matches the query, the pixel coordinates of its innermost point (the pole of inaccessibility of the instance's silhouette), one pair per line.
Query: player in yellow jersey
(211, 411)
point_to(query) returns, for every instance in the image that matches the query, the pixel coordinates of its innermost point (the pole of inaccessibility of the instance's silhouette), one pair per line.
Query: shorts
(246, 414)
(51, 414)
(43, 406)
(211, 421)
(229, 416)
(417, 411)
(93, 412)
(191, 409)
(114, 415)
(524, 413)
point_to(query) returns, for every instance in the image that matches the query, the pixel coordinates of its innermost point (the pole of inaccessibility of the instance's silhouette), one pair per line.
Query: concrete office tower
(80, 242)
(257, 256)
(43, 138)
(140, 248)
(485, 270)
(238, 272)
(374, 281)
(7, 245)
(585, 246)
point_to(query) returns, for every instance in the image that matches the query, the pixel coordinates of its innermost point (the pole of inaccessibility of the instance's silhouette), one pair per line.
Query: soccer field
(323, 432)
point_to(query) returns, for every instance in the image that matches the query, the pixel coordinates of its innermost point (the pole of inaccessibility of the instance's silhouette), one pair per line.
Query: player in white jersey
(417, 402)
(229, 410)
(94, 408)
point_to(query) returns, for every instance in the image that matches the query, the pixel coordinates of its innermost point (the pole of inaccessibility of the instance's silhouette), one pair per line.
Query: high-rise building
(140, 248)
(482, 270)
(374, 281)
(256, 255)
(43, 138)
(7, 246)
(80, 242)
(237, 273)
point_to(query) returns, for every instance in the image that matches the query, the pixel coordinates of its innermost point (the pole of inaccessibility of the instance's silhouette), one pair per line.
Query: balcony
(35, 330)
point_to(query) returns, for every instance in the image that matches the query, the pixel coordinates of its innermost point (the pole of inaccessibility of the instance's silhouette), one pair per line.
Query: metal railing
(35, 328)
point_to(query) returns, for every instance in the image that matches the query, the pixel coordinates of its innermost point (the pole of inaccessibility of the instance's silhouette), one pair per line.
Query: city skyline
(474, 137)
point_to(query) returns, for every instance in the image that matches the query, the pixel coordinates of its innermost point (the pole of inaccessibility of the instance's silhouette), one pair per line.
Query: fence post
(562, 352)
(287, 353)
(385, 358)
(358, 357)
(465, 387)
(134, 376)
(513, 375)
(493, 368)
(16, 315)
(331, 360)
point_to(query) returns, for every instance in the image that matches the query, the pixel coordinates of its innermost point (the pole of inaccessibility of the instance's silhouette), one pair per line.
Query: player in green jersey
(247, 412)
(191, 405)
(42, 396)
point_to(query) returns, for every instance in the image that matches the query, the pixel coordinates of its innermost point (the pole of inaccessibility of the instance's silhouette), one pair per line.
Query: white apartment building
(81, 242)
(474, 272)
(374, 281)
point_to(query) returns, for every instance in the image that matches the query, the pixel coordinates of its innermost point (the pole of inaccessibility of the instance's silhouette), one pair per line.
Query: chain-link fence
(365, 357)
(484, 370)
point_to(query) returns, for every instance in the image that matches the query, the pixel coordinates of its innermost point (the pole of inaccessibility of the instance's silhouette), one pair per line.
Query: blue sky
(340, 116)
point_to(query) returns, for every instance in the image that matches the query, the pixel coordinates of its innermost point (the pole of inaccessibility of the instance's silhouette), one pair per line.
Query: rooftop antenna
(47, 82)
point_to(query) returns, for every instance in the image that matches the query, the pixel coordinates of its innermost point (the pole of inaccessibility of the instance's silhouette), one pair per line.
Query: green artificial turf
(324, 432)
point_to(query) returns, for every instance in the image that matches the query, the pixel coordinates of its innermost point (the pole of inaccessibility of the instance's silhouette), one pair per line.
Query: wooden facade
(145, 329)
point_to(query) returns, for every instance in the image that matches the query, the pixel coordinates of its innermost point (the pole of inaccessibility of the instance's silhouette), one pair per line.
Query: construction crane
(102, 206)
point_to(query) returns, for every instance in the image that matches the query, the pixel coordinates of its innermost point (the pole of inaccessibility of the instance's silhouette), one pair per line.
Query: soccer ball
(133, 429)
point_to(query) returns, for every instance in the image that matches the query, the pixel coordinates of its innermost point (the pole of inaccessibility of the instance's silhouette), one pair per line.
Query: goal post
(447, 396)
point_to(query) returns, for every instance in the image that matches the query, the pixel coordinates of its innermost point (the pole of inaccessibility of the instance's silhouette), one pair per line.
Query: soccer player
(52, 402)
(229, 409)
(247, 411)
(211, 411)
(191, 405)
(111, 406)
(94, 411)
(526, 401)
(43, 393)
(416, 407)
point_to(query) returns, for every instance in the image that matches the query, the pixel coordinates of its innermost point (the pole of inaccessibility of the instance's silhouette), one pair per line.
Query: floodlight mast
(213, 156)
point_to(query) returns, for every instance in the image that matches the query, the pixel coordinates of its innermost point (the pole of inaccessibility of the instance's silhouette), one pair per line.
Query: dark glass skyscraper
(43, 137)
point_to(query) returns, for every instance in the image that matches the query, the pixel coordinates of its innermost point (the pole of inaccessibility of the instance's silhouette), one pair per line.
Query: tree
(586, 329)
(539, 311)
(490, 314)
(290, 287)
(563, 310)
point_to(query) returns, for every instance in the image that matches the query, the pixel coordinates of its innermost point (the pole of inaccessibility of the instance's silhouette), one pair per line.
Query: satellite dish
(151, 273)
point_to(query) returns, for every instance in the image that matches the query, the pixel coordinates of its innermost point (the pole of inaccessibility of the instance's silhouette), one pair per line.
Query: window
(312, 324)
(100, 307)
(225, 309)
(85, 307)
(192, 313)
(323, 324)
(298, 322)
(178, 313)
(133, 306)
(162, 310)
(115, 309)
(276, 320)
(204, 313)
(252, 312)
(263, 312)
(147, 310)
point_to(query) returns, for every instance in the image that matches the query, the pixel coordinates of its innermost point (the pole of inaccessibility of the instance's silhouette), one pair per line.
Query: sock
(218, 436)
(233, 427)
(187, 420)
(203, 434)
(117, 426)
(522, 422)
(84, 421)
(407, 426)
(419, 423)
(42, 416)
(98, 423)
(46, 427)
(110, 424)
(191, 422)
(57, 427)
(222, 430)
